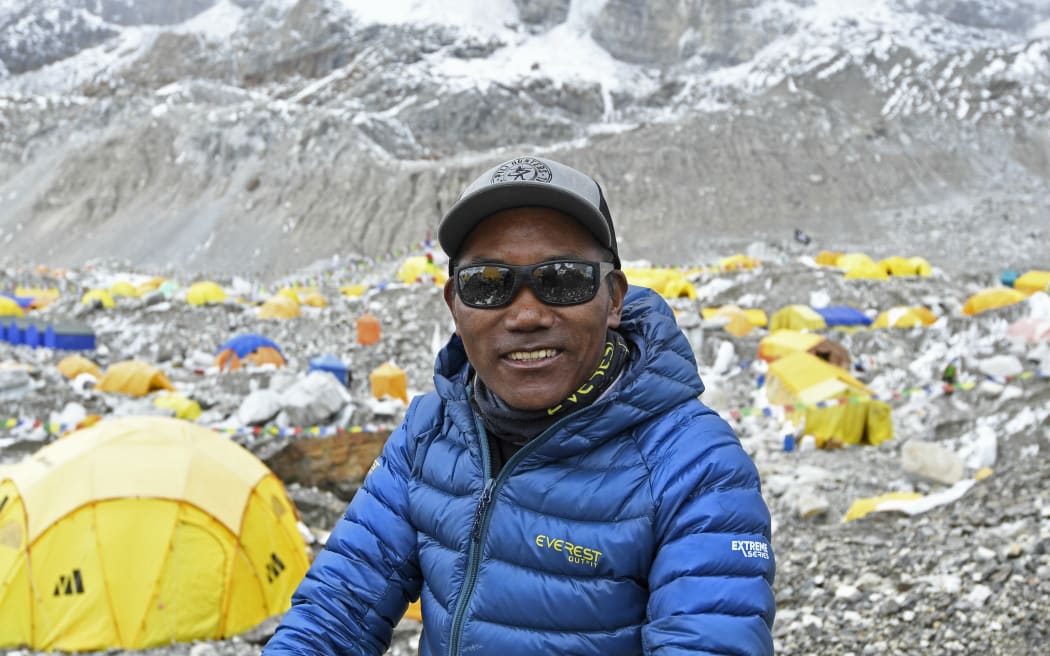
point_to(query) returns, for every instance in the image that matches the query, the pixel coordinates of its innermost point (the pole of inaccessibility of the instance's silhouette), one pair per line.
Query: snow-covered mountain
(253, 134)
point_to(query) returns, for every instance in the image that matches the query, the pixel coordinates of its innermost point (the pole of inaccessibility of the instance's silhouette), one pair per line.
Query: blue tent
(843, 315)
(247, 343)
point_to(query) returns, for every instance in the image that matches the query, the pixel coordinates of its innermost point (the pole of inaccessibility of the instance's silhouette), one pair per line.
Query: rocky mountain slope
(261, 135)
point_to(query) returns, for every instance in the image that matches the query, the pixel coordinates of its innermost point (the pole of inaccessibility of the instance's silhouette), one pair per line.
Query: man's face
(530, 354)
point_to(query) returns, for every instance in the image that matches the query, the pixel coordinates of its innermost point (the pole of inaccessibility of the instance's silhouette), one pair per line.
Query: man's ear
(450, 301)
(618, 284)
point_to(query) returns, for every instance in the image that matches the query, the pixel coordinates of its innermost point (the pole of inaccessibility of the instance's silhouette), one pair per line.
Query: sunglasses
(560, 282)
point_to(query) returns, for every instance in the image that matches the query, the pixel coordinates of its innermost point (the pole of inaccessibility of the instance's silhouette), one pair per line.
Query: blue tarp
(242, 345)
(843, 315)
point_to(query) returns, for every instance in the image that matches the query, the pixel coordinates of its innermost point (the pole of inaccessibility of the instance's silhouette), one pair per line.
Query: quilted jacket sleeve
(710, 584)
(361, 583)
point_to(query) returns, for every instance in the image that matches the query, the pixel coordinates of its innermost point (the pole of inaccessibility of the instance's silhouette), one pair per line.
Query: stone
(931, 462)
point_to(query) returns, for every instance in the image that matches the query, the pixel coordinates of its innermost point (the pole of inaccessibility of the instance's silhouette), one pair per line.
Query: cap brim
(471, 210)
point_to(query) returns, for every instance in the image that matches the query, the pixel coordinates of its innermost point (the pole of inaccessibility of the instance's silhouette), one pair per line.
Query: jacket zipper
(480, 524)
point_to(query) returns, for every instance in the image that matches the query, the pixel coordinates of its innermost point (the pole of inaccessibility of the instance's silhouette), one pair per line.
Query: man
(563, 491)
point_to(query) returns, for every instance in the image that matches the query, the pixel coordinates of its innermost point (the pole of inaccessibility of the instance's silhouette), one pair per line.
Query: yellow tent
(669, 283)
(796, 317)
(1032, 282)
(737, 321)
(205, 293)
(388, 379)
(420, 269)
(870, 271)
(100, 295)
(10, 308)
(150, 285)
(920, 265)
(73, 365)
(756, 316)
(991, 298)
(315, 299)
(291, 294)
(123, 288)
(279, 306)
(828, 258)
(353, 290)
(133, 377)
(779, 343)
(904, 316)
(738, 262)
(836, 405)
(42, 296)
(139, 532)
(183, 407)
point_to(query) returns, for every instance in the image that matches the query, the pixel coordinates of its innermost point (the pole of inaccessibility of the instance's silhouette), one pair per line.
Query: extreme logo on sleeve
(752, 548)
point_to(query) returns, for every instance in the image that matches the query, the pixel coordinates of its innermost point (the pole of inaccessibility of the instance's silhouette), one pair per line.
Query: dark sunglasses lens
(565, 283)
(485, 285)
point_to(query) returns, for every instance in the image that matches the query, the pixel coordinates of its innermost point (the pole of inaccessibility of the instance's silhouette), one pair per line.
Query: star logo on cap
(523, 169)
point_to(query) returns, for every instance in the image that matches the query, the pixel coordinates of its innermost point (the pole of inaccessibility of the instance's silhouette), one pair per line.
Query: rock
(810, 504)
(259, 407)
(314, 399)
(931, 462)
(1000, 366)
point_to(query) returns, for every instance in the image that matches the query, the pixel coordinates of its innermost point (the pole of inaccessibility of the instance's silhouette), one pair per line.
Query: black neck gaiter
(519, 426)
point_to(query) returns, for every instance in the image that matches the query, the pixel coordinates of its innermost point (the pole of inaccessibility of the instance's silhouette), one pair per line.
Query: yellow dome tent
(737, 320)
(992, 298)
(123, 288)
(904, 317)
(279, 306)
(828, 258)
(315, 299)
(738, 263)
(150, 285)
(42, 296)
(205, 293)
(757, 316)
(669, 283)
(291, 293)
(388, 379)
(10, 308)
(1032, 282)
(796, 317)
(133, 377)
(73, 365)
(835, 404)
(353, 291)
(183, 407)
(99, 295)
(779, 343)
(139, 532)
(920, 266)
(419, 268)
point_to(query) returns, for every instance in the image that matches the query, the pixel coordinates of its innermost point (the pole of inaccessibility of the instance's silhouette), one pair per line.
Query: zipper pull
(486, 497)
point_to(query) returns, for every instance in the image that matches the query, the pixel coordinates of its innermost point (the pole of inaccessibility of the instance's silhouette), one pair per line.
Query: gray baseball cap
(529, 182)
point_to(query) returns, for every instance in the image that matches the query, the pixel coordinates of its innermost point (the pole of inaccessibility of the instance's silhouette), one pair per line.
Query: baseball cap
(529, 182)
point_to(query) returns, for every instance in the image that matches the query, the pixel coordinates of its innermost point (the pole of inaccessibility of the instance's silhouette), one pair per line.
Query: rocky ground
(968, 575)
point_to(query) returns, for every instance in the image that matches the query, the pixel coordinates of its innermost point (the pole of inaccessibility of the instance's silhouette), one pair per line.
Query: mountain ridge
(266, 133)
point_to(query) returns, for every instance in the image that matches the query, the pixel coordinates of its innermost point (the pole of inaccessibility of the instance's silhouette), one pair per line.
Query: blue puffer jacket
(632, 526)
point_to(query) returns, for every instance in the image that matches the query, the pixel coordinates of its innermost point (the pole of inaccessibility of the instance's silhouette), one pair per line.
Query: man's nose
(527, 312)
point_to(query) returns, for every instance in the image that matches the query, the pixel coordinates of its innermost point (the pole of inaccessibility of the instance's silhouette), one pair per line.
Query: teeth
(527, 356)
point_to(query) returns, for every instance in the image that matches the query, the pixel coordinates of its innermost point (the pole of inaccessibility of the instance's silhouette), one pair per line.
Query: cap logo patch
(523, 169)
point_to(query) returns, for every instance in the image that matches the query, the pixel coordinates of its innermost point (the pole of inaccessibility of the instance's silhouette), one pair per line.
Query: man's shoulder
(688, 426)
